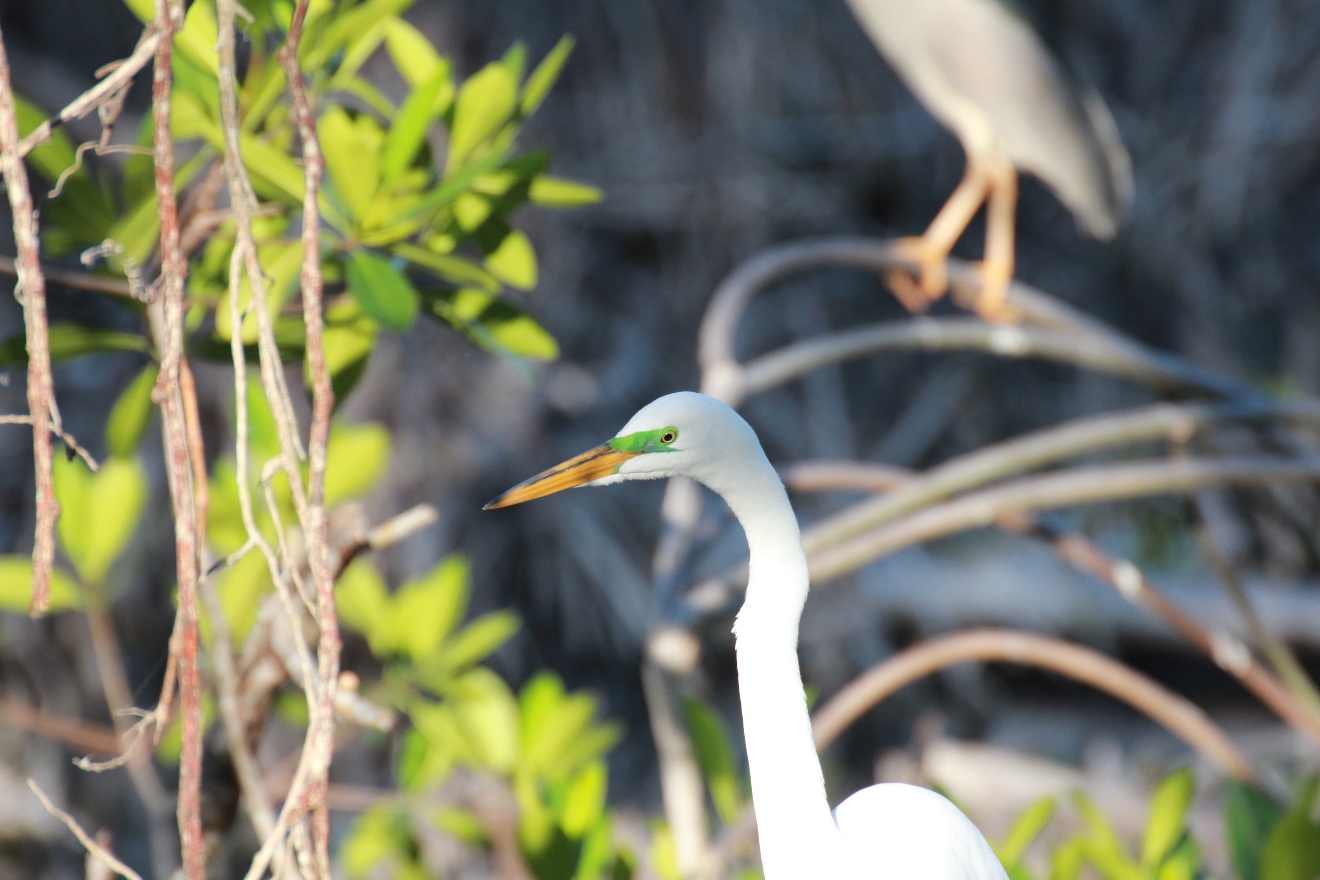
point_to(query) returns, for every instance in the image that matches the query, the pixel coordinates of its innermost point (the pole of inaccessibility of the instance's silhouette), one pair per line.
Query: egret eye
(669, 436)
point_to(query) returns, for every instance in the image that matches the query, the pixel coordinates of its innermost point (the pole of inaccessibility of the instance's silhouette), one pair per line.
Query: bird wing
(1045, 121)
(897, 830)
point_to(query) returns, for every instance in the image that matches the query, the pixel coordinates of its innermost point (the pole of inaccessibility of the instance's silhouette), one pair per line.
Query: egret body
(891, 830)
(985, 74)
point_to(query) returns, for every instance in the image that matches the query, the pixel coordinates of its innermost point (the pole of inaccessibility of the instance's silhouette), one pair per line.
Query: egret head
(682, 434)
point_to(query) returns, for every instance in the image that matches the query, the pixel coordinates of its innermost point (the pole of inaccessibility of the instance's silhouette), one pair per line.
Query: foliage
(544, 743)
(416, 205)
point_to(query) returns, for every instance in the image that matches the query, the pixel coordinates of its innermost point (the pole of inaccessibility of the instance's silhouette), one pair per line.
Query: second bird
(985, 74)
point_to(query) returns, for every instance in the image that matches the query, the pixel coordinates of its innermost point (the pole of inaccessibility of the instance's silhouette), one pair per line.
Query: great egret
(899, 832)
(984, 74)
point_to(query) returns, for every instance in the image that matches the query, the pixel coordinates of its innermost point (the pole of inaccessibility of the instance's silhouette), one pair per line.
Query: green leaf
(16, 586)
(352, 149)
(408, 132)
(456, 270)
(715, 757)
(363, 603)
(412, 54)
(348, 339)
(479, 639)
(544, 76)
(1026, 828)
(556, 192)
(55, 155)
(68, 341)
(515, 60)
(131, 413)
(1292, 848)
(356, 458)
(584, 804)
(514, 261)
(196, 40)
(1251, 813)
(483, 105)
(343, 27)
(1167, 820)
(1104, 848)
(492, 323)
(384, 293)
(487, 713)
(99, 512)
(426, 610)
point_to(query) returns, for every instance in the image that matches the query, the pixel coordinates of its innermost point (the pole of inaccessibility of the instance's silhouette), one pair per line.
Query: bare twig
(99, 852)
(31, 289)
(119, 78)
(1227, 651)
(722, 374)
(1085, 485)
(1285, 664)
(71, 278)
(320, 735)
(1170, 710)
(392, 531)
(167, 316)
(72, 732)
(65, 437)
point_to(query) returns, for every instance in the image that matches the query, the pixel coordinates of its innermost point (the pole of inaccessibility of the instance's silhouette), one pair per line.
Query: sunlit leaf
(1168, 816)
(492, 323)
(363, 602)
(16, 586)
(412, 54)
(544, 76)
(427, 609)
(348, 340)
(454, 269)
(556, 192)
(480, 638)
(352, 149)
(584, 805)
(56, 154)
(408, 132)
(1292, 848)
(514, 261)
(356, 458)
(488, 715)
(484, 103)
(384, 293)
(1026, 828)
(131, 413)
(99, 512)
(196, 40)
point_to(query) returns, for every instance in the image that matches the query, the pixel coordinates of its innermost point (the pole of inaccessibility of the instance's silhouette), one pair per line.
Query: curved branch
(1085, 485)
(1173, 712)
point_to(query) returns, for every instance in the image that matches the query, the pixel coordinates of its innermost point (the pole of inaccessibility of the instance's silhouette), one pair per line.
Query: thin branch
(1092, 352)
(31, 289)
(119, 78)
(393, 530)
(320, 735)
(72, 278)
(1085, 485)
(71, 732)
(1286, 666)
(722, 374)
(1173, 712)
(65, 437)
(167, 313)
(1227, 651)
(99, 852)
(1037, 449)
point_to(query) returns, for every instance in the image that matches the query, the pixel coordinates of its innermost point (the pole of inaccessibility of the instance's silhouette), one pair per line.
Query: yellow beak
(590, 465)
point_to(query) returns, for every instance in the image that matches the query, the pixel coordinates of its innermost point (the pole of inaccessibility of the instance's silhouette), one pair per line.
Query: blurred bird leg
(996, 270)
(930, 251)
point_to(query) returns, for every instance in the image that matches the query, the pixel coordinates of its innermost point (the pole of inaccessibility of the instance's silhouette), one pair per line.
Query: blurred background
(715, 129)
